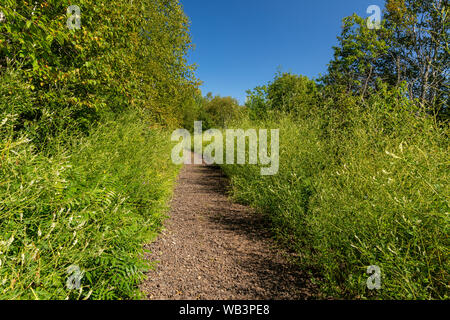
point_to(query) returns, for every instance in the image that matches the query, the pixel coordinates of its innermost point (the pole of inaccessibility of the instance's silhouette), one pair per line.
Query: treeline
(213, 111)
(364, 171)
(85, 93)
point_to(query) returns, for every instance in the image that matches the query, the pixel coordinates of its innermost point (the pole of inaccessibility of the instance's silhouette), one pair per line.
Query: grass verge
(92, 204)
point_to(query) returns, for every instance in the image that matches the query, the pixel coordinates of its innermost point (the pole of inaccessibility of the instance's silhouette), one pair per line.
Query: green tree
(257, 102)
(419, 52)
(358, 57)
(221, 110)
(291, 93)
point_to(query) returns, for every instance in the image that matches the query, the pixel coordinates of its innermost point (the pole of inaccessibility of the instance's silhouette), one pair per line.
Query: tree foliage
(411, 48)
(287, 93)
(129, 54)
(363, 177)
(83, 177)
(220, 110)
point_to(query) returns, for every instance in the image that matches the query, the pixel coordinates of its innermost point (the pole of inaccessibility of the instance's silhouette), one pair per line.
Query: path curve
(214, 249)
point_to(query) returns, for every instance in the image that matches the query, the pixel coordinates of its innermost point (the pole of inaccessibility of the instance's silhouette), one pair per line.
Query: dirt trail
(215, 249)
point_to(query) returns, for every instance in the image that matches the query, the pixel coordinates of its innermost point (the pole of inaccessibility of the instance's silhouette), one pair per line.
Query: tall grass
(92, 204)
(360, 186)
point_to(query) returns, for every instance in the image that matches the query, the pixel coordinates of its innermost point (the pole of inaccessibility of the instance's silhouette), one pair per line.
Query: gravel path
(215, 249)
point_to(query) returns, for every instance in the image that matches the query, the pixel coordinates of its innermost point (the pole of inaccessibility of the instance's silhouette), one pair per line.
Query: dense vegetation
(85, 169)
(364, 170)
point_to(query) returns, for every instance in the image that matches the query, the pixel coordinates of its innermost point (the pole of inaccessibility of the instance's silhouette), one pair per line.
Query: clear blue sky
(240, 44)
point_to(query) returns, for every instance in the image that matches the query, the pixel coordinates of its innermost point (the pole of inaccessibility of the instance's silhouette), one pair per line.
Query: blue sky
(240, 44)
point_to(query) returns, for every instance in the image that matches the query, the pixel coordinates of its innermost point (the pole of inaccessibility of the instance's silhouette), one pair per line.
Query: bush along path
(213, 248)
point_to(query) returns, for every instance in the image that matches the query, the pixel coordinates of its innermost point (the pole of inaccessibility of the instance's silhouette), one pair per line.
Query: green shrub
(93, 207)
(84, 180)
